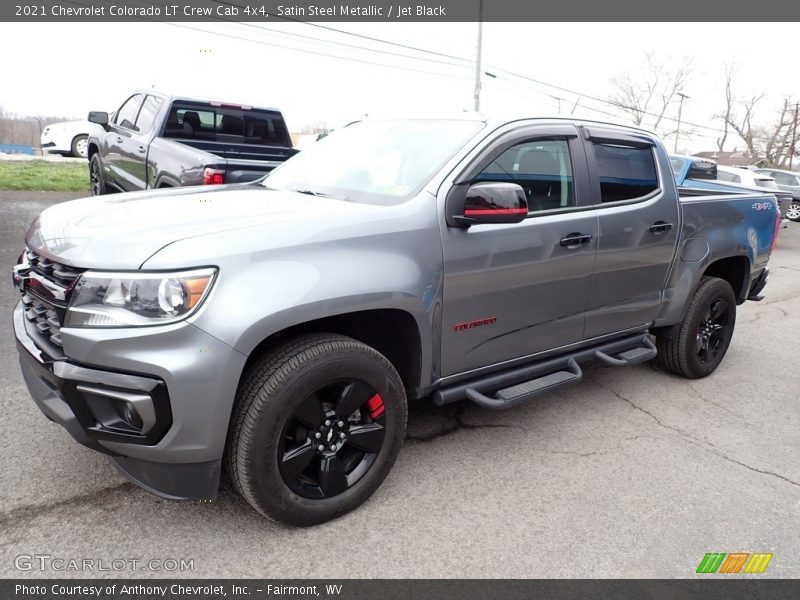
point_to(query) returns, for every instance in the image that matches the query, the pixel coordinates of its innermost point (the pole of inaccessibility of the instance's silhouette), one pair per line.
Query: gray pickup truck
(277, 329)
(157, 141)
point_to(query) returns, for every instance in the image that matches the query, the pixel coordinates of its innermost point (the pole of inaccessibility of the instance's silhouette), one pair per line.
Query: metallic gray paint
(285, 259)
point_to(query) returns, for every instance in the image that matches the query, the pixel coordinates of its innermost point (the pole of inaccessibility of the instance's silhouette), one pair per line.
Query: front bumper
(183, 394)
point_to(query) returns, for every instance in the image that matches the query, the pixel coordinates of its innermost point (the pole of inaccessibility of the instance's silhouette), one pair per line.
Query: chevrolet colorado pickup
(155, 141)
(276, 329)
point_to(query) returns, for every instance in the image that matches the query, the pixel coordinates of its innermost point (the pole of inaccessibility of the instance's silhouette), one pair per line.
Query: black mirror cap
(702, 169)
(99, 117)
(493, 203)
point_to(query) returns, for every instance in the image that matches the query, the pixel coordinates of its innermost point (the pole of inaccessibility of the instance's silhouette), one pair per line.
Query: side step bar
(509, 388)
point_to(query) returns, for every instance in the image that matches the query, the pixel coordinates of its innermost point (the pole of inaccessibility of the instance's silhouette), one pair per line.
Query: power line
(579, 94)
(350, 33)
(304, 50)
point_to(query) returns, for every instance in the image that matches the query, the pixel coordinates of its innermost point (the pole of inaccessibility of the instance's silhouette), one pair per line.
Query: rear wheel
(793, 214)
(317, 426)
(695, 347)
(96, 181)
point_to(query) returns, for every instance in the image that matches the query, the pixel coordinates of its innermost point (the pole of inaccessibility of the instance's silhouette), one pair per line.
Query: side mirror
(492, 203)
(99, 117)
(702, 169)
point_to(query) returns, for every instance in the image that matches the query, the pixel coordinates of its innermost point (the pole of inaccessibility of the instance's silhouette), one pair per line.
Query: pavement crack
(574, 453)
(700, 396)
(699, 443)
(31, 511)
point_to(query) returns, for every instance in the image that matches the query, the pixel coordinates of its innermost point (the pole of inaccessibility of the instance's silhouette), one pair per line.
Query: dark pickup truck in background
(159, 141)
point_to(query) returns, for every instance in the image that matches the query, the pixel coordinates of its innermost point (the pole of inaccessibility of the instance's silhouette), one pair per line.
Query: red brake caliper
(375, 406)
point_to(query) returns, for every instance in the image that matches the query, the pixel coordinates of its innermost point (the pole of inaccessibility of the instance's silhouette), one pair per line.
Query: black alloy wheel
(316, 427)
(97, 184)
(332, 439)
(713, 333)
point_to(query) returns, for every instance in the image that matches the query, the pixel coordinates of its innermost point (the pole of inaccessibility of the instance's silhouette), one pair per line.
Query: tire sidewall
(709, 292)
(261, 457)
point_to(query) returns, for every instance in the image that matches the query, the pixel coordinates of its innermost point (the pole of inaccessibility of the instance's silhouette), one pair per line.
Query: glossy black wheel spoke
(332, 476)
(295, 461)
(309, 412)
(353, 397)
(368, 438)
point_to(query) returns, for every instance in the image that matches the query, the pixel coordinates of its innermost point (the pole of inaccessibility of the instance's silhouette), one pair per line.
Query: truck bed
(234, 151)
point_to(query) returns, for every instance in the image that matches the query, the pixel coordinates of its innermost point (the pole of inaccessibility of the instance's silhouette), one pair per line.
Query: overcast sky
(69, 69)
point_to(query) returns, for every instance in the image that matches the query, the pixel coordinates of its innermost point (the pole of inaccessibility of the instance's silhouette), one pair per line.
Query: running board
(631, 357)
(502, 390)
(522, 392)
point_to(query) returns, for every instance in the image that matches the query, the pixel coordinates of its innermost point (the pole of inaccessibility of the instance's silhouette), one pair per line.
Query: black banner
(715, 588)
(396, 10)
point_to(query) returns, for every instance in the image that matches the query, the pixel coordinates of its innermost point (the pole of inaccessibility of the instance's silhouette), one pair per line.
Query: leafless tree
(725, 116)
(647, 95)
(744, 126)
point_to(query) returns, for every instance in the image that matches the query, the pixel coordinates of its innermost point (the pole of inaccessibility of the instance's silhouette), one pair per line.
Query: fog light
(131, 417)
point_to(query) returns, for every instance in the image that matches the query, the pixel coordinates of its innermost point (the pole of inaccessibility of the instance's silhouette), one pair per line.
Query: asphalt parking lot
(634, 473)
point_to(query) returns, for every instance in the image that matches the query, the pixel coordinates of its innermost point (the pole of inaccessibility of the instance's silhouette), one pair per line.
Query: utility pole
(478, 57)
(680, 110)
(794, 135)
(559, 102)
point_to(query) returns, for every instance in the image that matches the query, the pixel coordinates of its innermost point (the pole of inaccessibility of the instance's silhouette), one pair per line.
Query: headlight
(136, 299)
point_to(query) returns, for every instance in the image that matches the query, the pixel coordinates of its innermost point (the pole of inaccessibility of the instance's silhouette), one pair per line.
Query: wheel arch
(733, 269)
(392, 332)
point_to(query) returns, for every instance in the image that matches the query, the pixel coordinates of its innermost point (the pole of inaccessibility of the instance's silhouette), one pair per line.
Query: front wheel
(793, 214)
(696, 346)
(96, 181)
(317, 425)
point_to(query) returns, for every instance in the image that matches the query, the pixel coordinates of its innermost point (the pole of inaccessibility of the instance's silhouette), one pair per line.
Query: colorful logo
(734, 562)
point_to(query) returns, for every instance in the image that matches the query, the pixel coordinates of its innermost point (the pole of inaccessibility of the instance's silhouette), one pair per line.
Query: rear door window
(625, 172)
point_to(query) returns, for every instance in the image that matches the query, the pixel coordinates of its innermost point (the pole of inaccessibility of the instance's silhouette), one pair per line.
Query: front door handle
(119, 139)
(660, 227)
(141, 149)
(573, 240)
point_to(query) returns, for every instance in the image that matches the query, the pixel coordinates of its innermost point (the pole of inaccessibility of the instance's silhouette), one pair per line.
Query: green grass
(45, 176)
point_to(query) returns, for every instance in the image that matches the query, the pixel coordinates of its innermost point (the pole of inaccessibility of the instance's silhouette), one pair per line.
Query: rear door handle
(141, 149)
(119, 139)
(573, 240)
(660, 227)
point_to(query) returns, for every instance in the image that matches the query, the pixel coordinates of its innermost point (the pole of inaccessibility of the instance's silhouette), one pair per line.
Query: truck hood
(121, 231)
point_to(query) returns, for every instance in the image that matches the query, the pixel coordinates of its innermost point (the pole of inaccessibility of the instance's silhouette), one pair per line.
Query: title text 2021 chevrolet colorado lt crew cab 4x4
(277, 328)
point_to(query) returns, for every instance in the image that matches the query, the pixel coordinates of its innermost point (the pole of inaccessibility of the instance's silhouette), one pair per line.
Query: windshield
(676, 163)
(376, 162)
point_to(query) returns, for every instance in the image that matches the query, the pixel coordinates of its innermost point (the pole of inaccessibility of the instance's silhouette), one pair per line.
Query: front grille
(44, 318)
(56, 272)
(46, 306)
